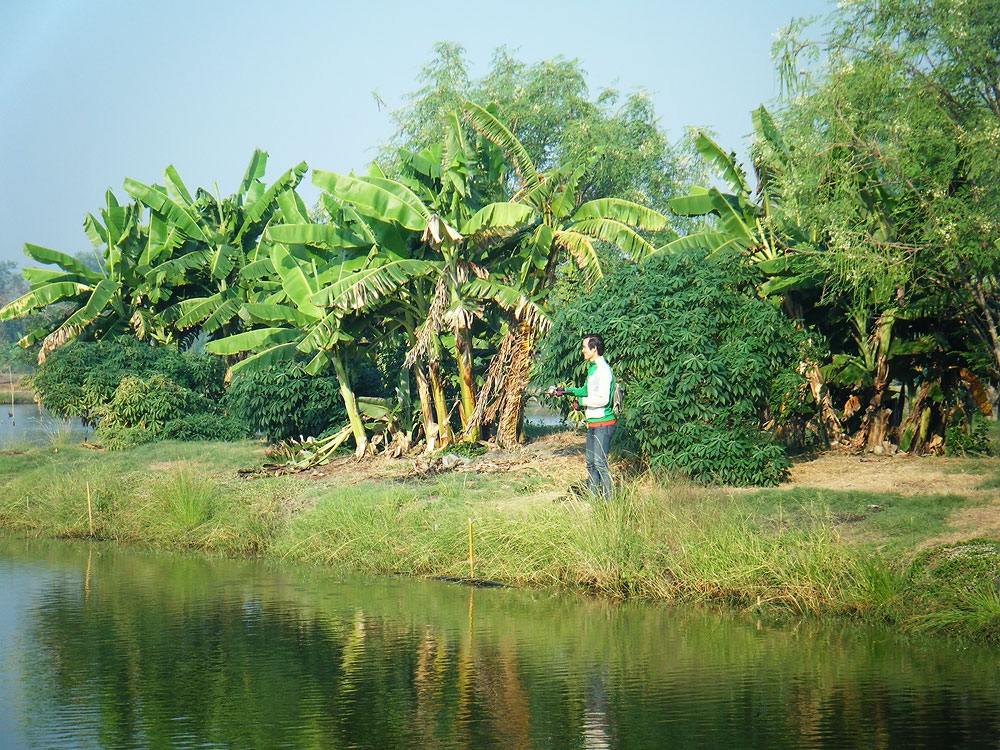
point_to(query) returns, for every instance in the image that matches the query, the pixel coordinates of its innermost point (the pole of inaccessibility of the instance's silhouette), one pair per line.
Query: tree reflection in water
(124, 649)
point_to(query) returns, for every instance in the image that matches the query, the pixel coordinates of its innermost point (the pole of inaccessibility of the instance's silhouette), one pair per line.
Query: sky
(93, 91)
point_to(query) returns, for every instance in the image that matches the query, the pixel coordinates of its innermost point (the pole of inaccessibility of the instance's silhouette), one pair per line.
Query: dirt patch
(556, 457)
(975, 521)
(903, 475)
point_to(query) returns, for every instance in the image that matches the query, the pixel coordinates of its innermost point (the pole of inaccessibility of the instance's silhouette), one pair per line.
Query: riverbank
(914, 543)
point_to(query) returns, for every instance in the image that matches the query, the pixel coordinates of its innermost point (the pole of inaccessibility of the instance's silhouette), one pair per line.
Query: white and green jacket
(595, 397)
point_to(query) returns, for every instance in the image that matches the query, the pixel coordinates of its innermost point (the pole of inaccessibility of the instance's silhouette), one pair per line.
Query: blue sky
(93, 91)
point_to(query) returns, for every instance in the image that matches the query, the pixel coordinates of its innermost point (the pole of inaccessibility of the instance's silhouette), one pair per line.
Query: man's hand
(554, 391)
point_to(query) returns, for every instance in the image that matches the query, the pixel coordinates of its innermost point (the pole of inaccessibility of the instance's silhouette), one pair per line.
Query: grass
(801, 551)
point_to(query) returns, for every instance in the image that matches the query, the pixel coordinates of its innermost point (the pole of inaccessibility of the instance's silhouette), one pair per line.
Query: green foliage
(79, 379)
(554, 115)
(143, 410)
(968, 439)
(880, 179)
(282, 402)
(699, 355)
(468, 450)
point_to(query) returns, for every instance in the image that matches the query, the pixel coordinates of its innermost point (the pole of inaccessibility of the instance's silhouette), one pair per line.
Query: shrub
(705, 363)
(282, 402)
(79, 379)
(142, 410)
(968, 439)
(204, 427)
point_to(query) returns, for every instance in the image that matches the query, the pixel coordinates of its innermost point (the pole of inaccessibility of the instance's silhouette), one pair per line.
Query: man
(596, 399)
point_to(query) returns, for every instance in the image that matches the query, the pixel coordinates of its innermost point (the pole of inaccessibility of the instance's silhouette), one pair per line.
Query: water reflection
(127, 649)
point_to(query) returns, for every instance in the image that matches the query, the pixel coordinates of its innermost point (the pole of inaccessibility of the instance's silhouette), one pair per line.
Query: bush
(705, 364)
(282, 402)
(80, 378)
(156, 408)
(968, 439)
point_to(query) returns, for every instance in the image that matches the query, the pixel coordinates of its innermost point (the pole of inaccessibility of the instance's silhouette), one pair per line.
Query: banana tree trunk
(350, 405)
(463, 355)
(437, 393)
(828, 415)
(510, 416)
(874, 424)
(426, 407)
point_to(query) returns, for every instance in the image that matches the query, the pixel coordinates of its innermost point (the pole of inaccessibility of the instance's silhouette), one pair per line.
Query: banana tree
(116, 298)
(226, 263)
(543, 223)
(384, 200)
(317, 316)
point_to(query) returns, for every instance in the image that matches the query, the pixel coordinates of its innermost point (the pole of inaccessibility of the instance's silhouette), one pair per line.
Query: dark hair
(594, 341)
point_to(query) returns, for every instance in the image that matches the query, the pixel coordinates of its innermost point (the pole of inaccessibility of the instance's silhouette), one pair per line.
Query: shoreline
(914, 562)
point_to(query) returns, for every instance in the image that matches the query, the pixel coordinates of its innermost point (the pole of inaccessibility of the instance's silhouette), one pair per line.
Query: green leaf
(254, 172)
(163, 239)
(258, 269)
(373, 199)
(361, 288)
(175, 270)
(617, 234)
(264, 359)
(42, 297)
(708, 239)
(91, 309)
(221, 261)
(508, 298)
(582, 251)
(287, 181)
(696, 203)
(626, 212)
(175, 186)
(95, 231)
(294, 281)
(293, 210)
(40, 276)
(326, 236)
(222, 315)
(270, 312)
(490, 128)
(190, 312)
(495, 215)
(766, 129)
(255, 340)
(174, 213)
(723, 162)
(54, 257)
(782, 284)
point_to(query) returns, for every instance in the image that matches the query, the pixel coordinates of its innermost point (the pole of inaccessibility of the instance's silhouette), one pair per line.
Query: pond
(26, 424)
(104, 647)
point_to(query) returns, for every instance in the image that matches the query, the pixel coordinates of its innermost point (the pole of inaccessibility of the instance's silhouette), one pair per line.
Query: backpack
(618, 399)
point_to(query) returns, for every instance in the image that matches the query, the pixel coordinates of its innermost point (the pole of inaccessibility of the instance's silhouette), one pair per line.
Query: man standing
(596, 399)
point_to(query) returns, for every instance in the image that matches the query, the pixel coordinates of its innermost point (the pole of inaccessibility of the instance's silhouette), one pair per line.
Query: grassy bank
(917, 561)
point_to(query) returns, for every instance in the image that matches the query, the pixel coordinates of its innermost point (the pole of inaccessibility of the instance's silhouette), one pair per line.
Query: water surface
(106, 648)
(24, 425)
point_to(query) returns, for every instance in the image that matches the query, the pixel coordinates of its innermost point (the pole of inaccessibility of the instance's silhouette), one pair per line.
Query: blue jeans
(598, 447)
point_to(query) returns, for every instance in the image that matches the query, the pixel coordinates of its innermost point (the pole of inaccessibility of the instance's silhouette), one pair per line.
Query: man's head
(592, 346)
